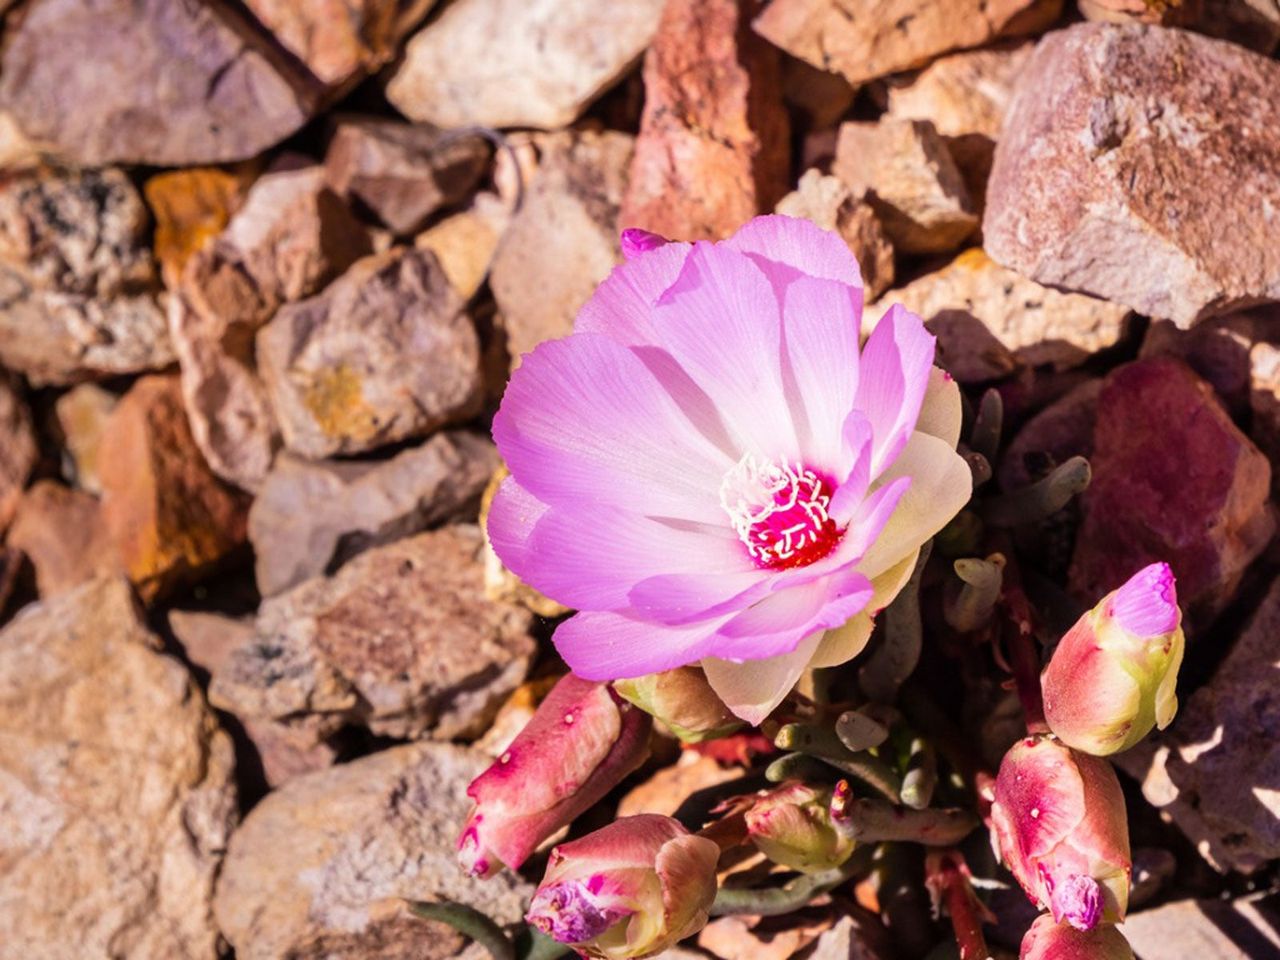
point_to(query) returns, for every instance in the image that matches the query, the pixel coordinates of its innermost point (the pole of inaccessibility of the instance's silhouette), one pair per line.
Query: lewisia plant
(712, 469)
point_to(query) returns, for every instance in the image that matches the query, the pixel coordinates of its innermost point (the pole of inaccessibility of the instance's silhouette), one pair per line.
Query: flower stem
(873, 821)
(895, 658)
(470, 923)
(1024, 658)
(947, 877)
(791, 896)
(822, 743)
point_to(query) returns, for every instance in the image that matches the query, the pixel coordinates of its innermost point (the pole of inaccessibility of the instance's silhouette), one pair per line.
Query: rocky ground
(264, 268)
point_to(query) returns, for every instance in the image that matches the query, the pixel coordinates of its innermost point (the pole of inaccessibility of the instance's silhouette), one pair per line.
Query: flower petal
(842, 644)
(892, 379)
(941, 412)
(606, 645)
(752, 689)
(792, 247)
(683, 598)
(622, 306)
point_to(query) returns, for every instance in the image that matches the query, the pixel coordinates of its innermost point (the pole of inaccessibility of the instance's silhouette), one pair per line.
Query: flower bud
(579, 745)
(635, 241)
(631, 889)
(1060, 827)
(684, 701)
(1049, 940)
(793, 826)
(1113, 676)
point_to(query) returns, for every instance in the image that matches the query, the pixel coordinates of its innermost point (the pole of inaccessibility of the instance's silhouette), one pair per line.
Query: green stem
(792, 896)
(823, 743)
(535, 945)
(898, 652)
(873, 821)
(470, 923)
(1041, 499)
(987, 426)
(921, 778)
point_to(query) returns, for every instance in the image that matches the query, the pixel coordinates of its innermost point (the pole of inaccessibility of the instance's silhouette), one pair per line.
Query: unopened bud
(794, 826)
(684, 701)
(635, 241)
(1049, 940)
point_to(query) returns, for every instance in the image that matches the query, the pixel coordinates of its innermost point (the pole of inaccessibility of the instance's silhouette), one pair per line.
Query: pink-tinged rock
(466, 242)
(519, 63)
(1239, 929)
(1060, 431)
(1251, 23)
(18, 450)
(866, 39)
(62, 533)
(386, 353)
(233, 97)
(1217, 349)
(1142, 165)
(1264, 400)
(713, 149)
(1174, 480)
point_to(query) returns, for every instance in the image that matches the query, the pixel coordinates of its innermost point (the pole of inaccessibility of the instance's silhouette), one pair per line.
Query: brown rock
(865, 39)
(400, 172)
(1217, 349)
(1060, 431)
(311, 517)
(909, 178)
(233, 98)
(116, 784)
(170, 518)
(81, 415)
(401, 639)
(1241, 929)
(1093, 191)
(208, 639)
(385, 354)
(62, 533)
(1264, 400)
(466, 242)
(1039, 325)
(191, 207)
(667, 789)
(760, 938)
(519, 63)
(713, 149)
(13, 565)
(362, 838)
(1168, 13)
(831, 205)
(821, 98)
(574, 196)
(18, 450)
(1251, 23)
(1199, 503)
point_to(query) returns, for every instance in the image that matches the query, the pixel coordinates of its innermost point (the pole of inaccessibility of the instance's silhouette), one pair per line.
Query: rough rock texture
(466, 242)
(1112, 176)
(81, 415)
(713, 148)
(401, 639)
(311, 517)
(1060, 431)
(908, 176)
(831, 205)
(17, 448)
(362, 838)
(865, 39)
(667, 789)
(1242, 929)
(400, 172)
(1264, 400)
(1251, 23)
(385, 353)
(1168, 13)
(63, 534)
(1217, 349)
(519, 63)
(168, 515)
(191, 207)
(1200, 503)
(1040, 325)
(573, 197)
(115, 784)
(233, 98)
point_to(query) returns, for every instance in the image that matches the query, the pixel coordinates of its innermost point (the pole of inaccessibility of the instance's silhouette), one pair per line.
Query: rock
(170, 518)
(761, 938)
(1201, 504)
(386, 353)
(854, 937)
(310, 517)
(1109, 178)
(1264, 400)
(831, 205)
(362, 838)
(1060, 431)
(233, 98)
(1039, 325)
(910, 180)
(866, 39)
(519, 63)
(62, 533)
(1222, 929)
(466, 242)
(401, 640)
(208, 639)
(1251, 23)
(13, 566)
(81, 415)
(400, 172)
(820, 98)
(18, 451)
(1168, 13)
(667, 789)
(574, 197)
(191, 207)
(1217, 349)
(116, 783)
(713, 149)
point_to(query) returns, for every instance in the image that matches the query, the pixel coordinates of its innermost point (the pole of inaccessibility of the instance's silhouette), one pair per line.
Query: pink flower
(710, 469)
(1113, 676)
(579, 745)
(792, 825)
(631, 889)
(1060, 827)
(1049, 940)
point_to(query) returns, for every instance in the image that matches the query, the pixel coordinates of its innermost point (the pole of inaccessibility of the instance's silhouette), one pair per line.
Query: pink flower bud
(631, 889)
(1060, 827)
(684, 701)
(793, 826)
(1112, 677)
(579, 745)
(1049, 940)
(636, 241)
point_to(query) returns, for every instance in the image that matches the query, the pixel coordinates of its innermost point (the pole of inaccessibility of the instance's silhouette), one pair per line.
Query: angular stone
(831, 205)
(820, 98)
(574, 196)
(13, 565)
(233, 98)
(667, 789)
(1174, 480)
(81, 415)
(386, 353)
(466, 242)
(362, 838)
(857, 937)
(866, 39)
(1060, 431)
(713, 149)
(1217, 349)
(1264, 400)
(1094, 189)
(401, 640)
(191, 207)
(311, 517)
(400, 172)
(18, 451)
(909, 178)
(1251, 23)
(170, 518)
(1167, 13)
(63, 534)
(761, 938)
(1039, 325)
(116, 784)
(1242, 929)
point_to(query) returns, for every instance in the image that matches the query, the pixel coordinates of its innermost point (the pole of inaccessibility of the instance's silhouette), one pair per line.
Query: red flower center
(780, 512)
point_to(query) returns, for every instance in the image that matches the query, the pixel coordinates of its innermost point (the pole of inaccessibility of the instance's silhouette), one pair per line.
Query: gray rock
(1243, 929)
